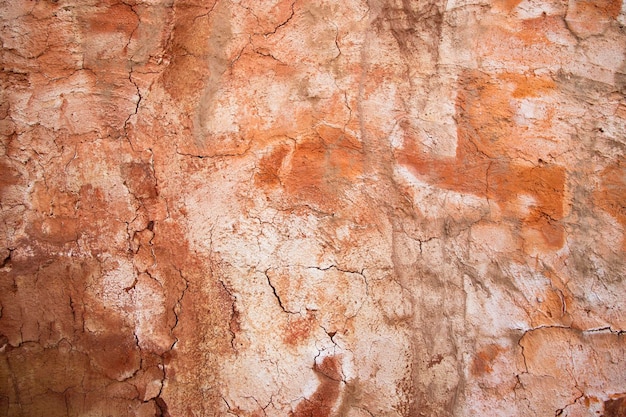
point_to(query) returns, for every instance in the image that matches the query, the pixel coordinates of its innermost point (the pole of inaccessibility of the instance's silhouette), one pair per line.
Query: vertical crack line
(178, 307)
(519, 343)
(280, 302)
(137, 104)
(234, 314)
(131, 68)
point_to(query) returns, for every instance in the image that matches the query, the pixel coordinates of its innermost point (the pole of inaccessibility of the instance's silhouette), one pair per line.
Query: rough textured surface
(312, 209)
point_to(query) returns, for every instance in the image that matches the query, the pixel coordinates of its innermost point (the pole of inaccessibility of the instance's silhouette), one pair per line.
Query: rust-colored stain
(139, 180)
(615, 407)
(298, 329)
(482, 363)
(529, 86)
(321, 403)
(435, 360)
(531, 40)
(319, 165)
(315, 169)
(8, 176)
(116, 354)
(507, 5)
(116, 18)
(307, 173)
(538, 30)
(482, 165)
(270, 165)
(55, 230)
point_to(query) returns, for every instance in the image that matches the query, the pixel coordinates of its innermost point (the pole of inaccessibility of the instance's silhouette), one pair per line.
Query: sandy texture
(311, 209)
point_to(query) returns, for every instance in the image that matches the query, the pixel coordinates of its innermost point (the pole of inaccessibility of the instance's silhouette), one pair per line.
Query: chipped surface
(357, 208)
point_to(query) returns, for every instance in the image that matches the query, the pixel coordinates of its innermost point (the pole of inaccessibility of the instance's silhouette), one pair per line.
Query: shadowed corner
(161, 408)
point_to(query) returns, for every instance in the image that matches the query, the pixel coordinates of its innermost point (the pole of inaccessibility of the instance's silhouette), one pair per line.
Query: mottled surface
(313, 209)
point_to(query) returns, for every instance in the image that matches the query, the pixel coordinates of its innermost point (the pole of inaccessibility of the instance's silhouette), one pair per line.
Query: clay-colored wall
(312, 208)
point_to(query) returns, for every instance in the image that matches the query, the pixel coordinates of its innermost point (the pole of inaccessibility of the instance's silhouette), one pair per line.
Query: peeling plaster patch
(112, 289)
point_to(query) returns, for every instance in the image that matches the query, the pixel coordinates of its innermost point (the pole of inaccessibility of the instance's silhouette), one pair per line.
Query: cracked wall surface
(311, 209)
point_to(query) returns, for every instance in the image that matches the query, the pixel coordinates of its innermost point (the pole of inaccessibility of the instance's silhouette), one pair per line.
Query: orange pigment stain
(598, 8)
(298, 330)
(270, 165)
(482, 363)
(117, 18)
(529, 86)
(483, 168)
(507, 5)
(528, 42)
(321, 403)
(315, 169)
(9, 176)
